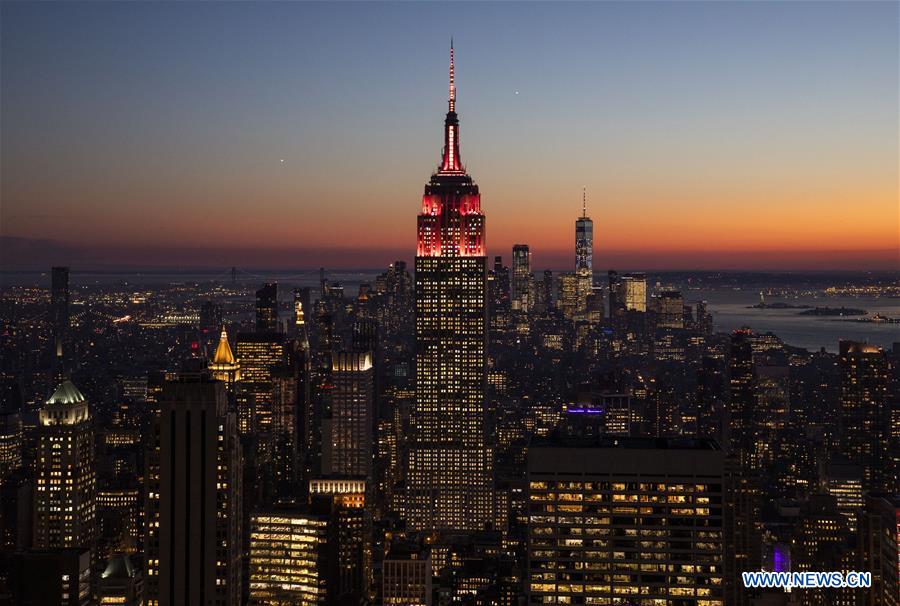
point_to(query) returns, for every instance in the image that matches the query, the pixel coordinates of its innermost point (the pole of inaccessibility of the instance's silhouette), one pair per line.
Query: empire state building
(449, 481)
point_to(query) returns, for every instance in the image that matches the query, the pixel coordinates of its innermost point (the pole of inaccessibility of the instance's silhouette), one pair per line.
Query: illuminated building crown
(451, 223)
(66, 406)
(223, 353)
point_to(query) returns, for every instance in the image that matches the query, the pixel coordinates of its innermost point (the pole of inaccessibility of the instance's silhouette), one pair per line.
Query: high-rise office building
(584, 255)
(297, 422)
(627, 292)
(499, 294)
(302, 308)
(822, 541)
(616, 307)
(258, 353)
(879, 547)
(742, 399)
(10, 439)
(210, 317)
(406, 576)
(702, 318)
(567, 299)
(59, 310)
(865, 385)
(66, 481)
(625, 520)
(267, 308)
(844, 482)
(288, 557)
(450, 463)
(668, 307)
(350, 550)
(545, 291)
(119, 513)
(16, 512)
(312, 554)
(521, 278)
(634, 291)
(290, 448)
(742, 494)
(194, 476)
(350, 447)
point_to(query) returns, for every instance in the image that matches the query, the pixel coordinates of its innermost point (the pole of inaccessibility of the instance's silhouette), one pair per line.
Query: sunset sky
(737, 135)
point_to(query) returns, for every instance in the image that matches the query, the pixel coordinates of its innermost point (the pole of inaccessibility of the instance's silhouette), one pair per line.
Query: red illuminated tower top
(451, 163)
(451, 223)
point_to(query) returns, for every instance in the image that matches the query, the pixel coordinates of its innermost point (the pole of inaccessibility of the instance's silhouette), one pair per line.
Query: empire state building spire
(452, 81)
(451, 162)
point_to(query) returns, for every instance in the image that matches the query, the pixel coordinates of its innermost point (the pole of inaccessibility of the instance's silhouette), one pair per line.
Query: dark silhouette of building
(865, 412)
(194, 497)
(59, 312)
(267, 308)
(59, 576)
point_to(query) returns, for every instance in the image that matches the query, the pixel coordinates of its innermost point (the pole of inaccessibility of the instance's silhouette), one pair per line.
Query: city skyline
(735, 148)
(210, 395)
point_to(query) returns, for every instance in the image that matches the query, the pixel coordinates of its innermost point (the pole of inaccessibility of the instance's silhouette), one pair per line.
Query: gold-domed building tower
(224, 366)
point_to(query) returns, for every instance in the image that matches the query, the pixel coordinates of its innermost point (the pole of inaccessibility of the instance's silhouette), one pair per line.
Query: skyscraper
(615, 519)
(742, 387)
(567, 299)
(499, 294)
(880, 549)
(59, 309)
(11, 437)
(521, 278)
(627, 292)
(194, 497)
(865, 385)
(301, 312)
(584, 255)
(267, 308)
(450, 464)
(210, 317)
(66, 491)
(668, 305)
(351, 443)
(742, 492)
(257, 353)
(289, 557)
(634, 291)
(406, 576)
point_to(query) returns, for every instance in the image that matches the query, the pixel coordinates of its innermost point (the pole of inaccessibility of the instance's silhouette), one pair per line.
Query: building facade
(450, 464)
(351, 442)
(865, 412)
(267, 308)
(584, 255)
(65, 493)
(625, 520)
(288, 557)
(194, 512)
(521, 278)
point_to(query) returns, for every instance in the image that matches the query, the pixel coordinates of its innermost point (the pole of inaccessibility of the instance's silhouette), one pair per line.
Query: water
(730, 306)
(730, 311)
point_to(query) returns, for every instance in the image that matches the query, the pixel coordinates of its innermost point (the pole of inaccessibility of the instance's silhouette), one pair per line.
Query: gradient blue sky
(709, 135)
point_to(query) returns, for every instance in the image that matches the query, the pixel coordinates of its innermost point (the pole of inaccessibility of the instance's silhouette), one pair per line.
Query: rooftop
(66, 393)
